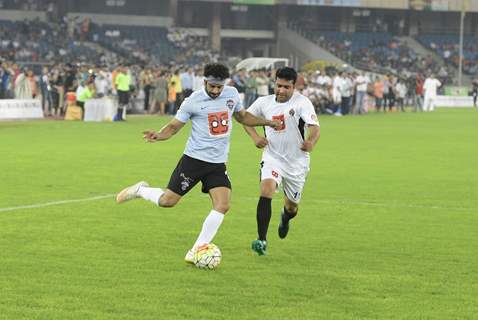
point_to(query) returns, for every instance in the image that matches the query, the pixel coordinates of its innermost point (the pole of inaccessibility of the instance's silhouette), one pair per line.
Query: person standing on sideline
(378, 93)
(430, 87)
(187, 81)
(122, 81)
(474, 91)
(210, 110)
(285, 160)
(419, 93)
(401, 89)
(361, 82)
(160, 93)
(346, 92)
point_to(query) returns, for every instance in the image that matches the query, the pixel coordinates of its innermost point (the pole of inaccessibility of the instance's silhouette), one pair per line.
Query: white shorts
(292, 182)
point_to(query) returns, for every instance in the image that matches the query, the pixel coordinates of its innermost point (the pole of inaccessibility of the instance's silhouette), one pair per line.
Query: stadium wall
(125, 20)
(20, 109)
(20, 15)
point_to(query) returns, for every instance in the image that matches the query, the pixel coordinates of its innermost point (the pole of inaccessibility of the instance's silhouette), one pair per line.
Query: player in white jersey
(285, 160)
(210, 110)
(430, 87)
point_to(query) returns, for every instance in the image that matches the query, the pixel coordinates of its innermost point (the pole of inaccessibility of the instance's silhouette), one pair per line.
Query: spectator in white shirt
(346, 93)
(361, 82)
(430, 87)
(401, 89)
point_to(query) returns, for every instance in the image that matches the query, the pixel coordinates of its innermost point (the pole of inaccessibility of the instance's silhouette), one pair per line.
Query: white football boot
(189, 258)
(130, 192)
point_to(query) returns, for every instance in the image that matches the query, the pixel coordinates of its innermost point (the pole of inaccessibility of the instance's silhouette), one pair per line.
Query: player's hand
(150, 136)
(261, 142)
(307, 146)
(275, 124)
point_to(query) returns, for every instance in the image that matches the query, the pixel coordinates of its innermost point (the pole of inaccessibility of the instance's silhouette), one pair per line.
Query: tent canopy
(262, 63)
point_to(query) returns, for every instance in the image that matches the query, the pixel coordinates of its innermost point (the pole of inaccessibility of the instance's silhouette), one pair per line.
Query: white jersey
(285, 142)
(430, 86)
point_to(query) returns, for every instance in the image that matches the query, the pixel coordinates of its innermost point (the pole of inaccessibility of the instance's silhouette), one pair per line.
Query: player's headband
(216, 81)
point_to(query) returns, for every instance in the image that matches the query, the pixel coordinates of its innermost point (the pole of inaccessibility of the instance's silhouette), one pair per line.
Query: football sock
(264, 212)
(151, 194)
(209, 228)
(288, 215)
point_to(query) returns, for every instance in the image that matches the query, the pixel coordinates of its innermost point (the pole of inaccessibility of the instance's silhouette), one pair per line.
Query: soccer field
(387, 226)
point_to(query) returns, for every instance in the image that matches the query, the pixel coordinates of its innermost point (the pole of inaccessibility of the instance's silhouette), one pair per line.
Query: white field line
(330, 201)
(55, 203)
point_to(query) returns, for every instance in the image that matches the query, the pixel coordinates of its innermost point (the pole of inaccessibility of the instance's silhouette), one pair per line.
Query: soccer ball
(207, 256)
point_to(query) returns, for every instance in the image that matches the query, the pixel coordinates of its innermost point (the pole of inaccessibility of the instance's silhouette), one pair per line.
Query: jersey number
(282, 121)
(218, 123)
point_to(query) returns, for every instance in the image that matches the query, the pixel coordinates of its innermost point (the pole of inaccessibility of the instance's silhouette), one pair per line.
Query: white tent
(262, 63)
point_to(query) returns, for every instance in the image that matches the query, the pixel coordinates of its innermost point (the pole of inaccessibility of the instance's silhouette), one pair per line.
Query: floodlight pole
(462, 26)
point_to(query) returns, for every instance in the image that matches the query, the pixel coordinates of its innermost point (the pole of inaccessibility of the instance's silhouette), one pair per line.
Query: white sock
(209, 228)
(151, 194)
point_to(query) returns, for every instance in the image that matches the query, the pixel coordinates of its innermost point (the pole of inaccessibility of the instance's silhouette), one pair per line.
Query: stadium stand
(447, 46)
(137, 43)
(378, 52)
(41, 42)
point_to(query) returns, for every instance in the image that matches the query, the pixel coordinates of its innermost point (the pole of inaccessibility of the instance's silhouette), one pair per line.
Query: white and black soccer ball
(207, 256)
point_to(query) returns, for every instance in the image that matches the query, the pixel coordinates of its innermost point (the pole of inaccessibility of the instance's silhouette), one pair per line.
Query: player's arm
(165, 133)
(313, 135)
(248, 119)
(259, 141)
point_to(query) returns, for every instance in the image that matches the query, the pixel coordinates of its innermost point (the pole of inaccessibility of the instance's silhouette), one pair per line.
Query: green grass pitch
(387, 226)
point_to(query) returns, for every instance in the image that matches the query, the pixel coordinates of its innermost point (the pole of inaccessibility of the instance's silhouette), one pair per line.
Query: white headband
(213, 80)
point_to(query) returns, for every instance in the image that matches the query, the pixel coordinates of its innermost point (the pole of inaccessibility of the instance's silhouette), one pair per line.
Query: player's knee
(222, 207)
(167, 202)
(291, 208)
(267, 192)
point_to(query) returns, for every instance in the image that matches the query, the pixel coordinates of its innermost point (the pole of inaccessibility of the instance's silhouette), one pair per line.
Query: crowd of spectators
(343, 92)
(75, 39)
(160, 89)
(45, 60)
(447, 47)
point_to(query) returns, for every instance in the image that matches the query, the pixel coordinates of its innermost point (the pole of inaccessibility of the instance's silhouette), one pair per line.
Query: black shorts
(123, 98)
(190, 171)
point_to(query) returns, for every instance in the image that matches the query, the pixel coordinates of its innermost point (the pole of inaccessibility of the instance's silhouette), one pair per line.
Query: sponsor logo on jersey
(218, 123)
(275, 174)
(281, 118)
(314, 117)
(291, 112)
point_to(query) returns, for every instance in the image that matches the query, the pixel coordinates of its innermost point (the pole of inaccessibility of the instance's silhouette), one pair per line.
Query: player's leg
(289, 212)
(220, 197)
(182, 180)
(264, 207)
(215, 182)
(163, 198)
(426, 103)
(263, 215)
(432, 104)
(293, 186)
(271, 177)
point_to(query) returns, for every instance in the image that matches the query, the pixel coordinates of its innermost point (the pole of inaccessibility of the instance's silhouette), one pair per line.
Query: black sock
(264, 212)
(288, 215)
